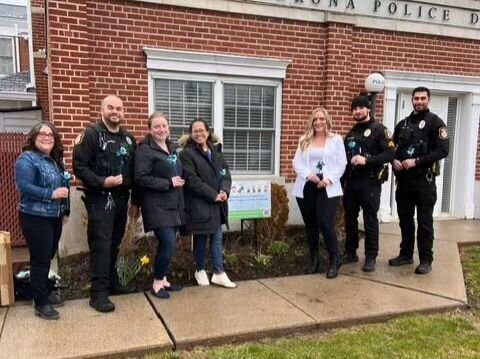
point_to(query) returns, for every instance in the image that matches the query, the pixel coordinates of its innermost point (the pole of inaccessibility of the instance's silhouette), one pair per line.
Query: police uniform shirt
(373, 141)
(99, 153)
(422, 136)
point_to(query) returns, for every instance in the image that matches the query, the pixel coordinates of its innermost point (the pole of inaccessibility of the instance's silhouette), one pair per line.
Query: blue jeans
(216, 250)
(166, 237)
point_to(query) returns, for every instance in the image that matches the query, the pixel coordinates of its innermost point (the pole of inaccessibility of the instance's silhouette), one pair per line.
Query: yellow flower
(144, 260)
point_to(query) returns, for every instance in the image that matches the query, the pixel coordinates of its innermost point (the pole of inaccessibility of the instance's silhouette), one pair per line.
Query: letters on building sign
(401, 10)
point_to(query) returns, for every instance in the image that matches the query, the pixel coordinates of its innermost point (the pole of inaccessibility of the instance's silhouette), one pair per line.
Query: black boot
(313, 267)
(335, 264)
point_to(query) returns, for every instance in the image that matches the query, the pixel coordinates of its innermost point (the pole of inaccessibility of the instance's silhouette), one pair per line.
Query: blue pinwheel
(123, 154)
(172, 160)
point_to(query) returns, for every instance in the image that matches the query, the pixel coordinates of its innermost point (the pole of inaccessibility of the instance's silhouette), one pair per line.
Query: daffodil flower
(144, 260)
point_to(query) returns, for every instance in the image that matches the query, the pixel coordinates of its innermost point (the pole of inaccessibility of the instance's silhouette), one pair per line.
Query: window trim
(220, 69)
(14, 56)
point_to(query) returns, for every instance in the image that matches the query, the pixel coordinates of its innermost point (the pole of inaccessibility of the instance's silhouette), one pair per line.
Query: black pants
(42, 235)
(421, 195)
(318, 213)
(106, 227)
(365, 194)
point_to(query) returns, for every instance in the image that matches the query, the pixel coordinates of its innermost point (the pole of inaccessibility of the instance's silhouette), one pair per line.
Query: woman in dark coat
(207, 187)
(158, 178)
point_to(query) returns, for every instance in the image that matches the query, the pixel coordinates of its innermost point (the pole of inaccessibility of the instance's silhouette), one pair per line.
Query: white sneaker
(201, 277)
(223, 280)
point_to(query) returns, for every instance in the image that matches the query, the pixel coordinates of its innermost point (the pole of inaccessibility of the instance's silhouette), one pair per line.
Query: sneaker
(369, 265)
(400, 261)
(222, 279)
(423, 268)
(102, 304)
(201, 277)
(350, 257)
(54, 300)
(46, 312)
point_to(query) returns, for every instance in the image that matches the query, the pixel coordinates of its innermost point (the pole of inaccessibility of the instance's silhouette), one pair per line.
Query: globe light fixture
(374, 83)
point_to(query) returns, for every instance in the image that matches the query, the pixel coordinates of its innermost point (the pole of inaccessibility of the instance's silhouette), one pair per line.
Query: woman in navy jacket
(319, 163)
(43, 185)
(158, 176)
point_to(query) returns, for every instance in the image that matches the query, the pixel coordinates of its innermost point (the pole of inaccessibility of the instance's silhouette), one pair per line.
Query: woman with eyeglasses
(43, 185)
(158, 177)
(207, 188)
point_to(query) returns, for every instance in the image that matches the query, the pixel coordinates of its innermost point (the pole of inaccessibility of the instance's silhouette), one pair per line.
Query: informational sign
(250, 200)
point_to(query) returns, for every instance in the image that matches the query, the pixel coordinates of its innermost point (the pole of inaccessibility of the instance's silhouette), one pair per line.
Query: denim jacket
(37, 176)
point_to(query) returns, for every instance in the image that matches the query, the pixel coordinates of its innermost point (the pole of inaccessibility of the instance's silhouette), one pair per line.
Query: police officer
(369, 147)
(422, 141)
(103, 159)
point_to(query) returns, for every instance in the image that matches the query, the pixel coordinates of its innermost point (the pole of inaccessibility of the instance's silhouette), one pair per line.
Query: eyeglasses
(44, 135)
(198, 132)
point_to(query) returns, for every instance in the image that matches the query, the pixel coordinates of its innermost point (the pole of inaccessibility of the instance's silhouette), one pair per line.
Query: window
(6, 56)
(240, 97)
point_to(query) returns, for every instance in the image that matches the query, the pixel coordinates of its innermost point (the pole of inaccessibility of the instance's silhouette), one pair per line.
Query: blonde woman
(319, 163)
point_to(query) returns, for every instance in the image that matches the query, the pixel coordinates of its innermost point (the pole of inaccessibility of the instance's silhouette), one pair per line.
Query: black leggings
(318, 213)
(42, 235)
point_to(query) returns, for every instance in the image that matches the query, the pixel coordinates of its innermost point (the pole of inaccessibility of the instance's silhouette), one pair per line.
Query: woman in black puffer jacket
(207, 187)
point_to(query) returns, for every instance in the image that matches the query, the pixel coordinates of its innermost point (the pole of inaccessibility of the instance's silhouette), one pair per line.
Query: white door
(438, 105)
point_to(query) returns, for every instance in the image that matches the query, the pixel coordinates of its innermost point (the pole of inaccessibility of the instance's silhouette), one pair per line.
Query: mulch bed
(240, 261)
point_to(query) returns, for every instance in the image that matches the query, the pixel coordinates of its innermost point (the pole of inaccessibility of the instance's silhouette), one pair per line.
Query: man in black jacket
(422, 141)
(103, 159)
(369, 147)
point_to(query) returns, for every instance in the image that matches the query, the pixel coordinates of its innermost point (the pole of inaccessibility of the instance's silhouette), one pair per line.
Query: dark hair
(57, 150)
(207, 127)
(421, 89)
(157, 114)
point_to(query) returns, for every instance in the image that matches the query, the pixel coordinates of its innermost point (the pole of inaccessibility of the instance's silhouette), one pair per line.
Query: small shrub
(230, 259)
(278, 248)
(263, 260)
(274, 228)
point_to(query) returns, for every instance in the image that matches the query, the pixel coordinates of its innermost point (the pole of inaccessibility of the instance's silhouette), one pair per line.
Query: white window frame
(219, 70)
(14, 56)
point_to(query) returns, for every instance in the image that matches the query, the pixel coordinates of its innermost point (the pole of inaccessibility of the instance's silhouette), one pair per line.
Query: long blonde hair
(307, 138)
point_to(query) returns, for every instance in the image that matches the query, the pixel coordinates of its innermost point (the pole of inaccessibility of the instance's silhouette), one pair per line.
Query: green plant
(278, 248)
(128, 266)
(263, 260)
(230, 259)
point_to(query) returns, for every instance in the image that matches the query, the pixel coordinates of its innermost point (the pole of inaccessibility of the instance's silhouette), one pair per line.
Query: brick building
(255, 69)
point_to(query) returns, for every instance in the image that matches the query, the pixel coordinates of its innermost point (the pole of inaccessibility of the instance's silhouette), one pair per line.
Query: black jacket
(205, 178)
(162, 205)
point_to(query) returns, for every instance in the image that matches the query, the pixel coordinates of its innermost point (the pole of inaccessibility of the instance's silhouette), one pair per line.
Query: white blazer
(335, 161)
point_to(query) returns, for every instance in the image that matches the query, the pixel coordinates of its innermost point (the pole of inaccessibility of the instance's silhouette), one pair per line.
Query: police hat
(360, 101)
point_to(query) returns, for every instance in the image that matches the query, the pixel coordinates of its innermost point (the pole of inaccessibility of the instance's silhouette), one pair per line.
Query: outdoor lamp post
(374, 83)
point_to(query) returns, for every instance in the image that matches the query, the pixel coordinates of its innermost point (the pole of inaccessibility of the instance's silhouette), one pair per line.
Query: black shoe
(314, 264)
(102, 304)
(162, 293)
(369, 265)
(54, 300)
(120, 290)
(332, 271)
(46, 312)
(423, 268)
(350, 257)
(400, 261)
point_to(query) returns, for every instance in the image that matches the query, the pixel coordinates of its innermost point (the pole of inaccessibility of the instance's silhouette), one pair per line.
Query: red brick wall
(39, 64)
(23, 54)
(95, 49)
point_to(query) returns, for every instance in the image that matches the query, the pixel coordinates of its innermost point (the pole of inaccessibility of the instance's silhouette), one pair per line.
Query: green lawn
(450, 335)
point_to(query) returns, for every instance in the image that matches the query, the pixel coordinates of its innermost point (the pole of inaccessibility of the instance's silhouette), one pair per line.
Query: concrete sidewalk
(258, 308)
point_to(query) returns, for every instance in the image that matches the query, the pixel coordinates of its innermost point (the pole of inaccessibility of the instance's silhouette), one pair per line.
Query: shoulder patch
(79, 138)
(442, 133)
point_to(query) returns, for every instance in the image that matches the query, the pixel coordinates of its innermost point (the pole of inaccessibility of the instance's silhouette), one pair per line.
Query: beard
(112, 120)
(360, 118)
